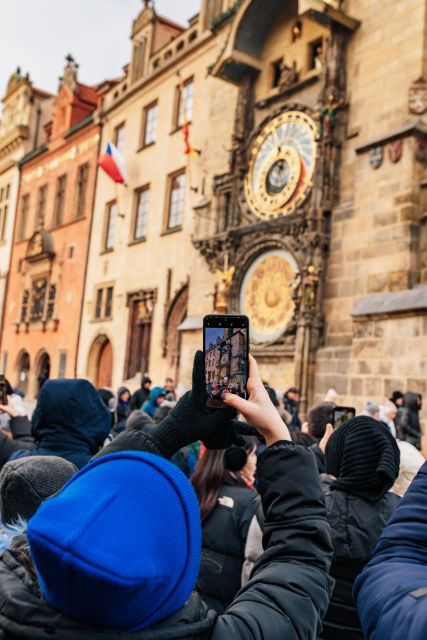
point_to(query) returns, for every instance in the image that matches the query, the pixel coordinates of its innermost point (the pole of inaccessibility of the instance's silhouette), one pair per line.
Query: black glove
(232, 434)
(191, 419)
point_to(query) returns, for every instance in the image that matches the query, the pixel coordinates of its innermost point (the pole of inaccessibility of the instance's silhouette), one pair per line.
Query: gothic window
(81, 189)
(110, 225)
(185, 95)
(50, 309)
(41, 206)
(38, 299)
(25, 206)
(141, 215)
(24, 306)
(58, 213)
(150, 124)
(176, 200)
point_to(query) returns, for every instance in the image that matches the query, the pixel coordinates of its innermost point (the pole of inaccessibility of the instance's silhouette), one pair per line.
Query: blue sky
(38, 34)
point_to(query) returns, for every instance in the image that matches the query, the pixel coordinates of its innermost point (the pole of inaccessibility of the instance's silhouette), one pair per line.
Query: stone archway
(176, 314)
(23, 371)
(100, 362)
(42, 370)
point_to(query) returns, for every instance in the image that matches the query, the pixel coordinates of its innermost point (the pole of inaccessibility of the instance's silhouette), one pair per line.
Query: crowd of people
(147, 516)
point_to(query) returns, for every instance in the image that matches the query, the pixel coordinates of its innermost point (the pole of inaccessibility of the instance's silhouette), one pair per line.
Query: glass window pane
(177, 200)
(119, 137)
(186, 97)
(109, 302)
(98, 307)
(150, 125)
(111, 225)
(143, 204)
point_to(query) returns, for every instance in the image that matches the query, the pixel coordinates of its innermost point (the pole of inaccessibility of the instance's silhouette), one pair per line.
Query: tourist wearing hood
(142, 588)
(122, 409)
(70, 420)
(157, 397)
(362, 458)
(142, 394)
(409, 422)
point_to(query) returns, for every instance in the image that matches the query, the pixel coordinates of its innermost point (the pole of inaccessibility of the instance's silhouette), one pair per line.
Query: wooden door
(104, 371)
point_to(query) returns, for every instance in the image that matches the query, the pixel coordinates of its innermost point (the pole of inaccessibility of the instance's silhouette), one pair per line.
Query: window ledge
(178, 127)
(137, 241)
(167, 232)
(146, 146)
(95, 320)
(104, 251)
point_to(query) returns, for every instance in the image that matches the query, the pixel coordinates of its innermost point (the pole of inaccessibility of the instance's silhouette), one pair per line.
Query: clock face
(281, 166)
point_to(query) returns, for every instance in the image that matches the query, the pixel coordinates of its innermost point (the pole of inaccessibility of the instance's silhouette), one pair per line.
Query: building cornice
(412, 129)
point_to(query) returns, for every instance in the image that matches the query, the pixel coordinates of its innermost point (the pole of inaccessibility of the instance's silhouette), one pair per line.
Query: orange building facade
(43, 304)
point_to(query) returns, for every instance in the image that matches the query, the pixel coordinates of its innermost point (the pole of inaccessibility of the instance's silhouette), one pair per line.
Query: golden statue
(222, 288)
(310, 284)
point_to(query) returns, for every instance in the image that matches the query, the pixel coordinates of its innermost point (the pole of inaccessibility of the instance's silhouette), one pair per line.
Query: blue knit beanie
(119, 546)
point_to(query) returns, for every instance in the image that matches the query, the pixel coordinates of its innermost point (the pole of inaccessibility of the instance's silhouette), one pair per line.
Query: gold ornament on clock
(282, 163)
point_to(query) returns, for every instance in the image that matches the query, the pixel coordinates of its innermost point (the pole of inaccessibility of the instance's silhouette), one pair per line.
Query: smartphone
(226, 349)
(341, 414)
(3, 390)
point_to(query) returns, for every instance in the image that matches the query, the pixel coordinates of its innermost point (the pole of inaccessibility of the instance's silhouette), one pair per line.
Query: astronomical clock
(281, 165)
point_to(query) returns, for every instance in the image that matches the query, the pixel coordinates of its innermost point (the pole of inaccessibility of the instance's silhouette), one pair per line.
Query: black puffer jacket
(356, 526)
(223, 556)
(285, 599)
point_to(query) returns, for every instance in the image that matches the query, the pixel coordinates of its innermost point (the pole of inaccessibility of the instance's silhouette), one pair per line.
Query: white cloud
(38, 34)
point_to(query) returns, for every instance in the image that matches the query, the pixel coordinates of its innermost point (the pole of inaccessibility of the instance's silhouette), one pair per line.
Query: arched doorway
(42, 370)
(100, 362)
(176, 314)
(23, 371)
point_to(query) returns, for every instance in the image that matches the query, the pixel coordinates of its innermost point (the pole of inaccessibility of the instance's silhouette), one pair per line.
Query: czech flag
(113, 163)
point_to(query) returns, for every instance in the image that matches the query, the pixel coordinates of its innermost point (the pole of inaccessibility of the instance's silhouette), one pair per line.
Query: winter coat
(356, 526)
(409, 422)
(70, 420)
(151, 405)
(285, 599)
(292, 408)
(140, 395)
(391, 592)
(223, 556)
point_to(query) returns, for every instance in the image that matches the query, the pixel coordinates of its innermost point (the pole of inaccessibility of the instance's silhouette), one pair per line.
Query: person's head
(303, 439)
(169, 384)
(364, 458)
(389, 411)
(331, 396)
(139, 421)
(397, 398)
(140, 502)
(372, 410)
(411, 402)
(293, 394)
(221, 467)
(157, 396)
(123, 395)
(26, 482)
(145, 382)
(318, 418)
(106, 395)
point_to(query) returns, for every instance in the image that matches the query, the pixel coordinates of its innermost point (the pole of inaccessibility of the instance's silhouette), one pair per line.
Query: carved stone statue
(225, 278)
(310, 283)
(288, 75)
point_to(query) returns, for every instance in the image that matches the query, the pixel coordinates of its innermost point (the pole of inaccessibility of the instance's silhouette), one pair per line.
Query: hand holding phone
(226, 349)
(341, 414)
(258, 410)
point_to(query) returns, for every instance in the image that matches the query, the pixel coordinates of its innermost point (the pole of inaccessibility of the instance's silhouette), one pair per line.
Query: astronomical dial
(282, 163)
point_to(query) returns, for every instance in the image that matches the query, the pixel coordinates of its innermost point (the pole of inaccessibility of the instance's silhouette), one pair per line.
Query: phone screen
(341, 414)
(226, 348)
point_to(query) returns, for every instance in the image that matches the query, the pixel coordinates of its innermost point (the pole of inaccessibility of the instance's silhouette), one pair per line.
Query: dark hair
(105, 395)
(318, 417)
(211, 473)
(303, 439)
